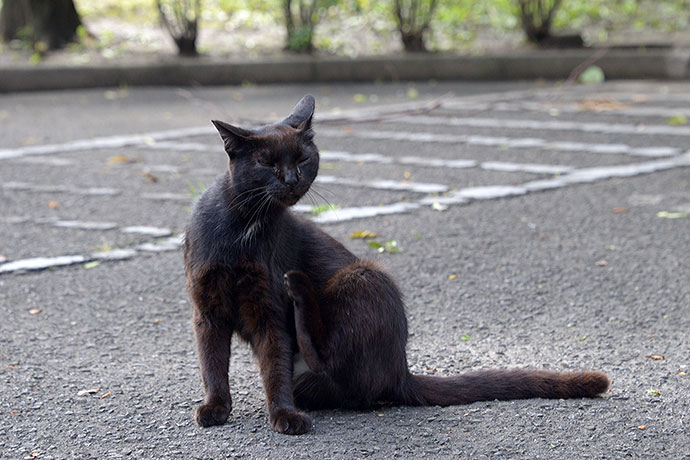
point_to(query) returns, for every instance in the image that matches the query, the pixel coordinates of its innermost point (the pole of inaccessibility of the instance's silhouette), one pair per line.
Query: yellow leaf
(363, 234)
(452, 277)
(121, 159)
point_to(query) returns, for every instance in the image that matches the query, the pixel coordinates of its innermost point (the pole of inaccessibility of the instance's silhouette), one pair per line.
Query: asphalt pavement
(528, 225)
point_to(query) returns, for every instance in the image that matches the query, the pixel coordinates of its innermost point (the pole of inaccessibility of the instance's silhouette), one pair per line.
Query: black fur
(256, 269)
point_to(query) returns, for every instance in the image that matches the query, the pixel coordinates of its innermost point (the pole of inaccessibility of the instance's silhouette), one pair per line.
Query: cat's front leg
(213, 337)
(275, 360)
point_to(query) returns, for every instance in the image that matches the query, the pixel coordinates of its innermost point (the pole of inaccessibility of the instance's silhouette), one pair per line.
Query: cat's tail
(423, 390)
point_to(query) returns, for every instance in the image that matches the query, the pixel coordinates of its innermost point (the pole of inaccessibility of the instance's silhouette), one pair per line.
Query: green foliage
(300, 40)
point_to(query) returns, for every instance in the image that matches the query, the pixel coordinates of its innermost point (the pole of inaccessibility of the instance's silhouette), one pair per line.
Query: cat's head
(279, 161)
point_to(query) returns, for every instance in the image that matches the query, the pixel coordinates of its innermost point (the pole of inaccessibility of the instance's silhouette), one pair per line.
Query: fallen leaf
(53, 204)
(465, 338)
(582, 339)
(34, 311)
(14, 412)
(91, 265)
(593, 74)
(601, 263)
(90, 391)
(677, 120)
(653, 391)
(682, 374)
(437, 206)
(105, 395)
(619, 210)
(360, 97)
(610, 247)
(121, 159)
(157, 320)
(673, 215)
(376, 245)
(13, 367)
(363, 234)
(391, 246)
(379, 415)
(452, 277)
(657, 357)
(320, 209)
(34, 454)
(642, 427)
(412, 93)
(601, 104)
(150, 177)
(407, 174)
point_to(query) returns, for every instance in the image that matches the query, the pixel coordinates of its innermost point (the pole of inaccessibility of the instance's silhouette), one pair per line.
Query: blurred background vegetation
(244, 29)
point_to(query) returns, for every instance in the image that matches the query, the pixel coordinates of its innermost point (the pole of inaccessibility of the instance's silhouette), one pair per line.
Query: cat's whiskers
(236, 205)
(250, 229)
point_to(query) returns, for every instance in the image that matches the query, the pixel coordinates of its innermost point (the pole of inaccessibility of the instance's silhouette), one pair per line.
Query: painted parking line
(90, 225)
(606, 106)
(46, 188)
(548, 125)
(503, 142)
(462, 196)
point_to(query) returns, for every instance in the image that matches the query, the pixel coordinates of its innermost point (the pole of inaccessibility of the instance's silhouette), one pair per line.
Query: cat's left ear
(301, 115)
(233, 137)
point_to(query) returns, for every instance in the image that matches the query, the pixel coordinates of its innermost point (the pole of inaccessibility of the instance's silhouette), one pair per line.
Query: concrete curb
(656, 63)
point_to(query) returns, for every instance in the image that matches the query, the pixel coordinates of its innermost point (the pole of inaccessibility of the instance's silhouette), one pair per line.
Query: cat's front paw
(289, 422)
(211, 414)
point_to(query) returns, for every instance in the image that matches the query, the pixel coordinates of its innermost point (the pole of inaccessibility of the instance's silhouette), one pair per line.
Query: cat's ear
(233, 137)
(300, 117)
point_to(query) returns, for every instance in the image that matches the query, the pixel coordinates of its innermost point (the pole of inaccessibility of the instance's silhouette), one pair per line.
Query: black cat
(256, 269)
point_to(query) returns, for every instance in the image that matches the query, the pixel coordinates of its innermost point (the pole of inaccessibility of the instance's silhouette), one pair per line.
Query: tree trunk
(53, 22)
(413, 42)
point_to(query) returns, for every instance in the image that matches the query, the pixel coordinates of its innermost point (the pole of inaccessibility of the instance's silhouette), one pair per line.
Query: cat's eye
(265, 163)
(304, 160)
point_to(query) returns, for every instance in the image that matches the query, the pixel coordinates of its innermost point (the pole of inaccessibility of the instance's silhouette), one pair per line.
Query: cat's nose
(290, 177)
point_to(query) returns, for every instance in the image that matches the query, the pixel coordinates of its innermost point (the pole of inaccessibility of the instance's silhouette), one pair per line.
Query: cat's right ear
(233, 137)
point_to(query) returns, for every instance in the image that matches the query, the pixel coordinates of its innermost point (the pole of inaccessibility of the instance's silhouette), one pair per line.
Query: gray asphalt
(584, 276)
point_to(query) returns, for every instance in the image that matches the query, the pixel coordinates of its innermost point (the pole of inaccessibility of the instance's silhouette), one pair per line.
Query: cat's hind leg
(311, 334)
(312, 391)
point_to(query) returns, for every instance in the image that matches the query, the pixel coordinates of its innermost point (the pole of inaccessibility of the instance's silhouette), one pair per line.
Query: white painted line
(332, 155)
(39, 263)
(525, 167)
(548, 125)
(437, 162)
(165, 196)
(39, 188)
(80, 225)
(343, 214)
(162, 168)
(557, 107)
(144, 230)
(46, 161)
(418, 187)
(105, 142)
(167, 244)
(185, 146)
(504, 142)
(114, 254)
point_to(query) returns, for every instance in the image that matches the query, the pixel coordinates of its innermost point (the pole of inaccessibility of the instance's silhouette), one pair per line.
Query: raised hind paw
(289, 422)
(297, 285)
(211, 414)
